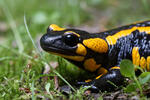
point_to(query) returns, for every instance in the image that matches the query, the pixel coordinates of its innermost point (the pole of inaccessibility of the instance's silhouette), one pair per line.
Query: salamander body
(101, 53)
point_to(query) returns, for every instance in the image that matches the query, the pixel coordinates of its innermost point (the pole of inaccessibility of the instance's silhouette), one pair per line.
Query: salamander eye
(70, 39)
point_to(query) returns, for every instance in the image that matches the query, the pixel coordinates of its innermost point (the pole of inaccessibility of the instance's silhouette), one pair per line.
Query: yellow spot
(148, 63)
(143, 63)
(54, 27)
(89, 80)
(75, 58)
(116, 67)
(91, 65)
(135, 56)
(99, 76)
(73, 33)
(140, 61)
(96, 44)
(102, 71)
(81, 49)
(113, 39)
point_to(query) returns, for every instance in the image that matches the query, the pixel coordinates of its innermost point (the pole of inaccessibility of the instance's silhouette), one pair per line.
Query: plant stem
(138, 84)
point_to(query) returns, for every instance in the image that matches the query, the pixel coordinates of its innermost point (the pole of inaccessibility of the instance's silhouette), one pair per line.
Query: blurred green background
(16, 47)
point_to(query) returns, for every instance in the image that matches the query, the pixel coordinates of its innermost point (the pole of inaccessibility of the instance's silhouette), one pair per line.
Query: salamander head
(65, 42)
(81, 48)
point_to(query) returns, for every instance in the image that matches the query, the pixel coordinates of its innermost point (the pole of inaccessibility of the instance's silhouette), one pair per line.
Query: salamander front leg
(104, 82)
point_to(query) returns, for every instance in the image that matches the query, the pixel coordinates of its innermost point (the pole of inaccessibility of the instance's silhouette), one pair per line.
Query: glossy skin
(101, 53)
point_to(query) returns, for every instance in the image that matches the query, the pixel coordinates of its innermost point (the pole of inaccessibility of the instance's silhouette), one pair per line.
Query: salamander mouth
(56, 50)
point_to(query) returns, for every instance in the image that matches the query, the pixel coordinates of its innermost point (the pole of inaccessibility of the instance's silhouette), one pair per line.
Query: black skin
(56, 41)
(107, 82)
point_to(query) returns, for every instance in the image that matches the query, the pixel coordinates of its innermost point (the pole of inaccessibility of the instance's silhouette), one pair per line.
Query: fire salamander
(101, 53)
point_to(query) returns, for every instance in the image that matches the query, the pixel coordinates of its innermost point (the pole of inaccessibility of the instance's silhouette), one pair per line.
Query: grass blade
(44, 61)
(6, 58)
(13, 26)
(32, 91)
(15, 51)
(28, 32)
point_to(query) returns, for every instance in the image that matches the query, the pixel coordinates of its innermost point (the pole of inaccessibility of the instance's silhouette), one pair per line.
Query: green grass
(21, 60)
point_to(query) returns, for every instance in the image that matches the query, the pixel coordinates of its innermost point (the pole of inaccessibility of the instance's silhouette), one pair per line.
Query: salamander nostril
(45, 41)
